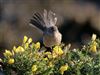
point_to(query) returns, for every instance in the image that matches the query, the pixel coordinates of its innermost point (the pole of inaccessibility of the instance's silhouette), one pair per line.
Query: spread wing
(43, 21)
(37, 21)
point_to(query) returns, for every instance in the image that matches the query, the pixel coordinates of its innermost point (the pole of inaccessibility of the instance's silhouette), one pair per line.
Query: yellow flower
(37, 45)
(34, 68)
(29, 40)
(11, 61)
(63, 68)
(13, 53)
(48, 54)
(54, 55)
(94, 37)
(93, 47)
(26, 45)
(45, 58)
(19, 49)
(7, 53)
(14, 48)
(58, 50)
(25, 39)
(50, 64)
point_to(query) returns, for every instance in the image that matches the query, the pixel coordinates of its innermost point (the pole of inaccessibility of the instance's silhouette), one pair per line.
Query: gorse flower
(19, 49)
(54, 55)
(63, 68)
(46, 58)
(37, 45)
(58, 50)
(48, 54)
(29, 40)
(93, 46)
(14, 48)
(94, 37)
(11, 61)
(25, 39)
(34, 68)
(7, 53)
(50, 64)
(26, 45)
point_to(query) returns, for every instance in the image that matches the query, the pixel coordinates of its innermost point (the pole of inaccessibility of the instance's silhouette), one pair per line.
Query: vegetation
(32, 59)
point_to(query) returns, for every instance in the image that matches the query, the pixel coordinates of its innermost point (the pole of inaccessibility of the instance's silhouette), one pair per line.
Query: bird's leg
(48, 49)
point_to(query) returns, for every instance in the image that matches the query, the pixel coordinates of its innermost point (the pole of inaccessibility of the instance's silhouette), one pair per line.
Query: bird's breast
(51, 40)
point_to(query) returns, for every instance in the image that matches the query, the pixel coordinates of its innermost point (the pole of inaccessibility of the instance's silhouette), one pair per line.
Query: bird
(46, 22)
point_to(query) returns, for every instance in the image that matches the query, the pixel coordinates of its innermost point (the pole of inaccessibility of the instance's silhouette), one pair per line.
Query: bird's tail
(43, 21)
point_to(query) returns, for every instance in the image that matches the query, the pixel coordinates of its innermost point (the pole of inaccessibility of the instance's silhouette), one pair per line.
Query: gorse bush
(31, 59)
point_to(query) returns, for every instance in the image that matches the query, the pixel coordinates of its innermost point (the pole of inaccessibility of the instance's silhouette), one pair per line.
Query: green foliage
(31, 59)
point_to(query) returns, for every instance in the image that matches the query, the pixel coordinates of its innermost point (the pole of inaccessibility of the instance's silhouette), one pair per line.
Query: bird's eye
(51, 28)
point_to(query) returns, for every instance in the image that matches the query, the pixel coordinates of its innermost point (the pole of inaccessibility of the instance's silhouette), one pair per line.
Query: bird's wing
(46, 20)
(38, 21)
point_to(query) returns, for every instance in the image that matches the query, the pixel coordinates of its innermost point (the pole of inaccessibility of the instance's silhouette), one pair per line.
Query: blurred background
(77, 20)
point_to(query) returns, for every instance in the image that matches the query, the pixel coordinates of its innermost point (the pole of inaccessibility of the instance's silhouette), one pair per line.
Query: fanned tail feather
(43, 21)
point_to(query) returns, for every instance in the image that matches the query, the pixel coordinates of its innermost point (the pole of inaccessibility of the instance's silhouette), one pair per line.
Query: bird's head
(51, 30)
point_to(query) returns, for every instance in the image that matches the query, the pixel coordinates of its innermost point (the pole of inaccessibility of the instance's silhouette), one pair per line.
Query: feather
(37, 21)
(46, 20)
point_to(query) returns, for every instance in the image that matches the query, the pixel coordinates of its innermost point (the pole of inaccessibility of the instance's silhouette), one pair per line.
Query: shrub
(31, 59)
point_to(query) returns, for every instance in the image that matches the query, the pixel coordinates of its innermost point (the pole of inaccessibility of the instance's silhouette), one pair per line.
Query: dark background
(77, 20)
